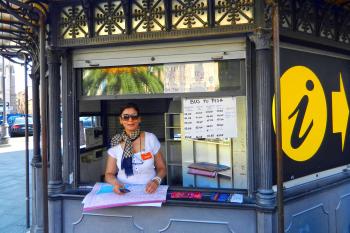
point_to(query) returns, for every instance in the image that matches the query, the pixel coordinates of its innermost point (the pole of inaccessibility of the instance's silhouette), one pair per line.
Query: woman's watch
(157, 179)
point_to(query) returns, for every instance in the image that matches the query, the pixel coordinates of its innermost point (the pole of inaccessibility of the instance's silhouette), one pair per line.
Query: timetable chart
(212, 118)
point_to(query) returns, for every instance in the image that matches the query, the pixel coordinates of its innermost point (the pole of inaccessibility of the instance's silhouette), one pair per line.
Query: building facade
(10, 88)
(21, 102)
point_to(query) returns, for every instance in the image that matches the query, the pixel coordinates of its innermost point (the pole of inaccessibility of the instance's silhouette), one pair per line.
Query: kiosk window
(196, 159)
(215, 156)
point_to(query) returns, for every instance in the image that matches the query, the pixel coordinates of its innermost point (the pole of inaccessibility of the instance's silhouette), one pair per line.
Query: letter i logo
(303, 113)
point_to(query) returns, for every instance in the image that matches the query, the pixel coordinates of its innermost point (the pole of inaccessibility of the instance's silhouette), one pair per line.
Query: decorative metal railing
(119, 17)
(316, 18)
(98, 22)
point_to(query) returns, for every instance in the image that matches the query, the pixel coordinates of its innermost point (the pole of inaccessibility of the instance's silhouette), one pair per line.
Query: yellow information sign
(304, 113)
(315, 94)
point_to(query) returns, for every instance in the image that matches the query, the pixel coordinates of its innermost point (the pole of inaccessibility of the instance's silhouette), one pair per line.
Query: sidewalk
(12, 187)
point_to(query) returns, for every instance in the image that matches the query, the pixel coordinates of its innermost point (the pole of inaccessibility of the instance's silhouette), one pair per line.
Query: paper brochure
(102, 196)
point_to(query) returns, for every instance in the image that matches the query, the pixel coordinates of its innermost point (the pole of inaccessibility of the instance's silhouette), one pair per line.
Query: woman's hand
(152, 186)
(117, 187)
(110, 178)
(159, 164)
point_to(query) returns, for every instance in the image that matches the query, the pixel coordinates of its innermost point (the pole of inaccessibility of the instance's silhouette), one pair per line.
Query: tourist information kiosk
(202, 73)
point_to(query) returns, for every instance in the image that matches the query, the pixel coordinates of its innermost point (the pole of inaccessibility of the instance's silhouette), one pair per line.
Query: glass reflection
(191, 77)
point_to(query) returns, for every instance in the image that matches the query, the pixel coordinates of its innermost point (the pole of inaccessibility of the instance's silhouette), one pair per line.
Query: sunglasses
(126, 117)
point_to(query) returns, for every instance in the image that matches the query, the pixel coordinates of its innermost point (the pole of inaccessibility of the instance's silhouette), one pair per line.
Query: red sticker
(146, 156)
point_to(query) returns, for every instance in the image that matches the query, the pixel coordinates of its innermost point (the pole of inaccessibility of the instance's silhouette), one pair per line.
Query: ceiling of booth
(19, 20)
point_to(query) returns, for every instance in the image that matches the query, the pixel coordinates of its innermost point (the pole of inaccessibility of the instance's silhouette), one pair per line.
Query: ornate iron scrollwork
(318, 18)
(110, 18)
(305, 16)
(148, 15)
(327, 14)
(232, 12)
(189, 14)
(286, 14)
(19, 34)
(344, 27)
(73, 22)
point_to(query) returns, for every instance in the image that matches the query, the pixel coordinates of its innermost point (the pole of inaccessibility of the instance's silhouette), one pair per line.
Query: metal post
(37, 209)
(276, 62)
(5, 126)
(55, 183)
(36, 118)
(55, 171)
(43, 88)
(262, 139)
(27, 140)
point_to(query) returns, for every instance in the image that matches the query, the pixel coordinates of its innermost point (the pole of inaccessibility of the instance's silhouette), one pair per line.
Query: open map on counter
(102, 196)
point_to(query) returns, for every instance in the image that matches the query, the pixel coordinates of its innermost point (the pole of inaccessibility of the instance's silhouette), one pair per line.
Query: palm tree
(122, 80)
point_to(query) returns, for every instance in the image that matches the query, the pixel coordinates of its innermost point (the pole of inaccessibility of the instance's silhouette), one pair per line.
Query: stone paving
(12, 187)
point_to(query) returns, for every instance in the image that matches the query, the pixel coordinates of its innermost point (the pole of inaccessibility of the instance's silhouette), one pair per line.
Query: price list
(210, 118)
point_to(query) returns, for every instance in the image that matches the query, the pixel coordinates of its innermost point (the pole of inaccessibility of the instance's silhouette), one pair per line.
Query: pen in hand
(120, 189)
(124, 190)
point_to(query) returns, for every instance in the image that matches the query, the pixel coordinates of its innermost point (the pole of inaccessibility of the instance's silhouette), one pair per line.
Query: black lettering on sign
(195, 101)
(300, 110)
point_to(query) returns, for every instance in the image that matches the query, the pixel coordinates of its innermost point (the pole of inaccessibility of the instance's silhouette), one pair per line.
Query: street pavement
(12, 186)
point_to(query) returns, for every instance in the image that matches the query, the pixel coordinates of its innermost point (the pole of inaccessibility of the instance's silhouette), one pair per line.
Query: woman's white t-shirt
(143, 169)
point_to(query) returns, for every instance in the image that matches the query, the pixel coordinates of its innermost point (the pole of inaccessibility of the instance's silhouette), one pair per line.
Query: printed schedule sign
(210, 118)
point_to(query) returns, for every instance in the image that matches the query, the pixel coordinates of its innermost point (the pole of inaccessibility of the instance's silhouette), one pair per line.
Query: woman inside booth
(134, 156)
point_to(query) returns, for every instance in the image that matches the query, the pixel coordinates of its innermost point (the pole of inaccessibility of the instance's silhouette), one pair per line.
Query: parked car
(11, 117)
(18, 126)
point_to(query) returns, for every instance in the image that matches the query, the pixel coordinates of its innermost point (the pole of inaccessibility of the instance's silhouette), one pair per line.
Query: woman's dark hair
(129, 105)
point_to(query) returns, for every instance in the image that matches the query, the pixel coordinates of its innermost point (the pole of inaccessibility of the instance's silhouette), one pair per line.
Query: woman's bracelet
(158, 179)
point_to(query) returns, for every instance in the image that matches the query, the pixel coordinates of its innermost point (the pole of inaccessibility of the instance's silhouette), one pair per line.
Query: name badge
(146, 156)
